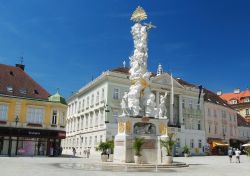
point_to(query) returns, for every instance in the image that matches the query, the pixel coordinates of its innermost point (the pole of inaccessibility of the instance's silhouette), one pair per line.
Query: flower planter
(169, 160)
(186, 155)
(138, 159)
(104, 158)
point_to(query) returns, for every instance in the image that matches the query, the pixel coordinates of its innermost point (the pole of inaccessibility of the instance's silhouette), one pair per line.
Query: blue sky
(66, 43)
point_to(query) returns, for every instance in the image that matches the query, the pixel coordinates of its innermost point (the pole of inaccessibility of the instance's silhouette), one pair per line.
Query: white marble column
(157, 99)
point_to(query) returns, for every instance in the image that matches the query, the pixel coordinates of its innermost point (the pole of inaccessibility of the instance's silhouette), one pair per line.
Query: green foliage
(138, 142)
(103, 147)
(247, 150)
(111, 145)
(168, 144)
(185, 149)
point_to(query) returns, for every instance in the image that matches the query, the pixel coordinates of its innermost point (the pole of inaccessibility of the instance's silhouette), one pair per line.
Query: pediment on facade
(165, 79)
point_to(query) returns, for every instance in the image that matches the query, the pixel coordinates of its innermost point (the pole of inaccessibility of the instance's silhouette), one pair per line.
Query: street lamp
(17, 119)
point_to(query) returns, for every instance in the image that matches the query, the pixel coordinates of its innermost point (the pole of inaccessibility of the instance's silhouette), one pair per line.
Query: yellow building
(31, 121)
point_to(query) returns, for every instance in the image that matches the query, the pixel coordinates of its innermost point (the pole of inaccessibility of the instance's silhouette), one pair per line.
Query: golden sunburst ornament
(138, 15)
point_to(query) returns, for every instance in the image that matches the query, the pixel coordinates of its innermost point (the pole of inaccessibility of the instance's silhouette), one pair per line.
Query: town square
(124, 87)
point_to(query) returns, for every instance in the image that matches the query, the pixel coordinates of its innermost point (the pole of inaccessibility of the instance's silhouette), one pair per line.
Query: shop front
(217, 147)
(30, 142)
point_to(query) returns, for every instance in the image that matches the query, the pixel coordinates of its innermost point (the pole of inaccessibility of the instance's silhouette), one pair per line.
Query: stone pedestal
(152, 130)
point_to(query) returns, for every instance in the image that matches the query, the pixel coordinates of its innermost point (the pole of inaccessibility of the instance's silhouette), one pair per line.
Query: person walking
(74, 151)
(230, 154)
(237, 154)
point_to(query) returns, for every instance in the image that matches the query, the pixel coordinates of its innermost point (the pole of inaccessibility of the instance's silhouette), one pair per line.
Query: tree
(137, 145)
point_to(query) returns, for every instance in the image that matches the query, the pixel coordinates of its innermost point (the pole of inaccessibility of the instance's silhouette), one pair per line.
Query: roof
(57, 98)
(185, 83)
(241, 121)
(236, 96)
(16, 82)
(125, 70)
(214, 98)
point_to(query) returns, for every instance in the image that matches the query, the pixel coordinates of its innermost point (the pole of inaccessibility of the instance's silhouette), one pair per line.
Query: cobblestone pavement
(43, 166)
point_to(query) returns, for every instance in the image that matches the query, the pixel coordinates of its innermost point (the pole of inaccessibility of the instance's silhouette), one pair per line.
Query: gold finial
(138, 15)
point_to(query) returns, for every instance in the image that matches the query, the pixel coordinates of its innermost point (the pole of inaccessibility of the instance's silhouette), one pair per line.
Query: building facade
(31, 121)
(93, 111)
(239, 100)
(220, 123)
(243, 130)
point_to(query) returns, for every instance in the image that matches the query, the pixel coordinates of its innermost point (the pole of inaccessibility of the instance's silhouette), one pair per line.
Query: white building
(220, 123)
(93, 111)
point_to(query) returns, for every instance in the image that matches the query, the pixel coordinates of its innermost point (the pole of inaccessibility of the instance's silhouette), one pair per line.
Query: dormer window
(23, 91)
(12, 73)
(9, 89)
(246, 100)
(36, 92)
(233, 102)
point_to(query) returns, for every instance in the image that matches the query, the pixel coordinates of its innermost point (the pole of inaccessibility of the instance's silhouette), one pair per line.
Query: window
(62, 119)
(191, 143)
(97, 97)
(115, 116)
(90, 141)
(215, 129)
(215, 113)
(209, 128)
(23, 91)
(246, 100)
(95, 142)
(183, 103)
(198, 106)
(233, 102)
(191, 104)
(92, 99)
(3, 112)
(87, 102)
(102, 94)
(86, 141)
(247, 111)
(199, 125)
(9, 89)
(35, 115)
(116, 94)
(200, 143)
(80, 106)
(100, 138)
(83, 104)
(208, 112)
(87, 122)
(54, 117)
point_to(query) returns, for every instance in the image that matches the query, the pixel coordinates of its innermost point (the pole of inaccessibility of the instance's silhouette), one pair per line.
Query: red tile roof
(20, 82)
(236, 96)
(214, 98)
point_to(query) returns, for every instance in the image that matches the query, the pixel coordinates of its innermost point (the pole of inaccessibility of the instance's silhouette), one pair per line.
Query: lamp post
(17, 141)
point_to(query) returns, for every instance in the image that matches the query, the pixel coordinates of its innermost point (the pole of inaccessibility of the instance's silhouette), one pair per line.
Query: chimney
(20, 66)
(219, 93)
(237, 91)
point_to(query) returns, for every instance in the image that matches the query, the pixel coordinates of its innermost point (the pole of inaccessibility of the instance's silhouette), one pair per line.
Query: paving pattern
(43, 166)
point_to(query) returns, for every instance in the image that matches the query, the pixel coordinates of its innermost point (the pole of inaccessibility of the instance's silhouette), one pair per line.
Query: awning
(220, 144)
(246, 145)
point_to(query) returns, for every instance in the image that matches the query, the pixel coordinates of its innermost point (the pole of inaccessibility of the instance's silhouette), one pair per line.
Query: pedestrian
(51, 151)
(74, 151)
(230, 154)
(237, 154)
(88, 152)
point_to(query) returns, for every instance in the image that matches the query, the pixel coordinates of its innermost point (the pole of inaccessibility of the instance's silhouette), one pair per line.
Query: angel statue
(162, 106)
(124, 104)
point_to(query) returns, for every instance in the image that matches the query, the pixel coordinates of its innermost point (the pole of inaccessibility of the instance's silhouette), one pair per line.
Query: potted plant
(137, 145)
(168, 144)
(111, 149)
(103, 147)
(185, 150)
